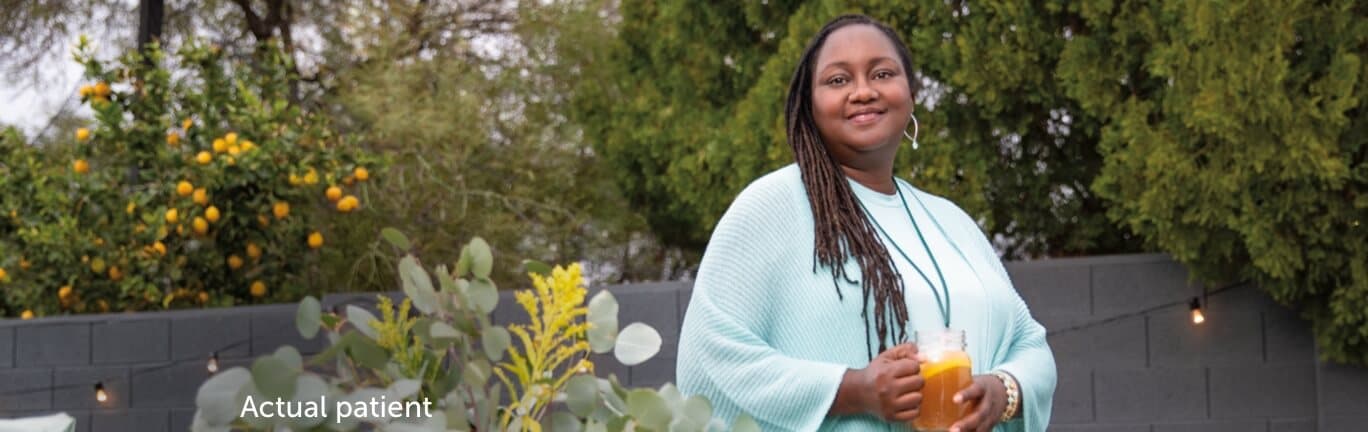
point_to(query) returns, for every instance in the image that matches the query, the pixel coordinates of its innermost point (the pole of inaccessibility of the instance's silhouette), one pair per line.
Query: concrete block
(1073, 397)
(181, 419)
(1230, 336)
(1118, 345)
(606, 364)
(131, 341)
(1130, 287)
(82, 420)
(656, 308)
(1343, 391)
(1259, 425)
(6, 347)
(1243, 391)
(52, 345)
(167, 387)
(128, 421)
(25, 389)
(1343, 423)
(81, 392)
(682, 297)
(1060, 290)
(274, 326)
(1146, 394)
(659, 369)
(1098, 427)
(195, 338)
(1292, 425)
(1287, 338)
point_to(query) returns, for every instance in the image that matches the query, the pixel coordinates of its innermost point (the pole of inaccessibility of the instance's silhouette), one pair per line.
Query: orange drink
(948, 370)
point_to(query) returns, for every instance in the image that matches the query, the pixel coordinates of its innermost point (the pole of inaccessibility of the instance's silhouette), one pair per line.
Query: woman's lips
(866, 118)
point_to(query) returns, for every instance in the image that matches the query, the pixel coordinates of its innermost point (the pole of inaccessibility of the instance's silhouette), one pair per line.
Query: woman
(819, 273)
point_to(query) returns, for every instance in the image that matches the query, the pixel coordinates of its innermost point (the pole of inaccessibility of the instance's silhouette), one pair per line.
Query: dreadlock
(842, 229)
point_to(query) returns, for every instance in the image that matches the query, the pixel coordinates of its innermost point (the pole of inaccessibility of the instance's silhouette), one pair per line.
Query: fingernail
(958, 399)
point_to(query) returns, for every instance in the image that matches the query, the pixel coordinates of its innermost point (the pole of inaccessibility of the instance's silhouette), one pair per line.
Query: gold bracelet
(1013, 395)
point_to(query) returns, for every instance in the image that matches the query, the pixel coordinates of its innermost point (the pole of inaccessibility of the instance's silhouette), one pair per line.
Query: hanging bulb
(1196, 306)
(100, 394)
(213, 363)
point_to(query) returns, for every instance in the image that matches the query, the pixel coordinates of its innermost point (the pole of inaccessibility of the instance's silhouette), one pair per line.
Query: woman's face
(860, 97)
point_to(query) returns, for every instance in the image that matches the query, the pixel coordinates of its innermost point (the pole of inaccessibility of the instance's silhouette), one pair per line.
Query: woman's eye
(883, 74)
(837, 81)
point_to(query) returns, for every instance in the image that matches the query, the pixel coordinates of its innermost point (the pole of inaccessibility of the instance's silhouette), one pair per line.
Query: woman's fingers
(974, 392)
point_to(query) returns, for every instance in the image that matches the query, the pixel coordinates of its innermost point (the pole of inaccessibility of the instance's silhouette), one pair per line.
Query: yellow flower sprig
(554, 337)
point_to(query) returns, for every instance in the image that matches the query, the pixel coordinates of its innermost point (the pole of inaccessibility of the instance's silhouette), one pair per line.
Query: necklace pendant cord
(942, 306)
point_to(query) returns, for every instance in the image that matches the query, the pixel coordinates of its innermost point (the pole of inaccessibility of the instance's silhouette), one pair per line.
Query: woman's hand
(986, 399)
(889, 388)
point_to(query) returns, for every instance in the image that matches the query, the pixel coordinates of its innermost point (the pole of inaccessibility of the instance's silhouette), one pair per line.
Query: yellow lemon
(184, 188)
(281, 209)
(180, 229)
(949, 361)
(201, 196)
(86, 90)
(82, 134)
(230, 160)
(333, 193)
(131, 207)
(99, 241)
(258, 289)
(172, 216)
(349, 180)
(97, 265)
(220, 146)
(115, 274)
(28, 314)
(102, 89)
(212, 214)
(4, 275)
(159, 247)
(361, 173)
(230, 138)
(234, 150)
(311, 177)
(173, 139)
(234, 262)
(104, 305)
(253, 251)
(204, 158)
(348, 203)
(185, 124)
(247, 145)
(316, 240)
(80, 166)
(294, 180)
(200, 225)
(64, 293)
(203, 297)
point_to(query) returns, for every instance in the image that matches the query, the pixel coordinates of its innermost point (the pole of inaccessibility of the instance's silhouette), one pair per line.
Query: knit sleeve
(724, 353)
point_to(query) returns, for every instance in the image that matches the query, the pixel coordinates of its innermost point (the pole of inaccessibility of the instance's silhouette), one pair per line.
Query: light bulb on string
(1196, 306)
(100, 394)
(213, 363)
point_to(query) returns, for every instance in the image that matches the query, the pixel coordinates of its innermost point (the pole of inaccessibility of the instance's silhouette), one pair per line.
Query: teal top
(766, 335)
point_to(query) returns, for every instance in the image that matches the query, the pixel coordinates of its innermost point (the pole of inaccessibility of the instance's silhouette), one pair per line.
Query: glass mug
(947, 370)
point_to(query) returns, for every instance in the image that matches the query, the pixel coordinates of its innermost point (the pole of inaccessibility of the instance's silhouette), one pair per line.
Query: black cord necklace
(942, 306)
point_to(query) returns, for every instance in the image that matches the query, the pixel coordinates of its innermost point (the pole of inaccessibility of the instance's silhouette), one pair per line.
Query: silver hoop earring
(916, 130)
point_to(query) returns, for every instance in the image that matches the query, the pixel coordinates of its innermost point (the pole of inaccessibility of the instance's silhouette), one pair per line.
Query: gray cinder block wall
(1129, 357)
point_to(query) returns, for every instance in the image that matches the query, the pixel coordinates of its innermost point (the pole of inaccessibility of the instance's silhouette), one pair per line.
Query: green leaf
(537, 267)
(581, 394)
(291, 357)
(603, 322)
(404, 388)
(331, 352)
(476, 372)
(418, 284)
(481, 259)
(366, 352)
(309, 388)
(308, 319)
(595, 426)
(396, 238)
(361, 319)
(648, 409)
(441, 330)
(216, 399)
(329, 320)
(273, 377)
(463, 263)
(637, 343)
(564, 421)
(744, 423)
(484, 295)
(495, 340)
(694, 416)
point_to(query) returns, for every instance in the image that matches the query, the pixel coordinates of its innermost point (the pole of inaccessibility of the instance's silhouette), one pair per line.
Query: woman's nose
(863, 92)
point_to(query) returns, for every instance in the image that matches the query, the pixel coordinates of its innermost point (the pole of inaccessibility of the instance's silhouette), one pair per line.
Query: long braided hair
(842, 228)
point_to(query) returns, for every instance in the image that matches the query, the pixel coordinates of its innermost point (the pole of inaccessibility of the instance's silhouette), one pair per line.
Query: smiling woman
(774, 328)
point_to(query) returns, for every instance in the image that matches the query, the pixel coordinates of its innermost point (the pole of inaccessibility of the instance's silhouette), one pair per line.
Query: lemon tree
(205, 186)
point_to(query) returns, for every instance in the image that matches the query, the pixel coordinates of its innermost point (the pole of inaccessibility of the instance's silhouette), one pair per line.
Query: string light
(100, 394)
(1197, 317)
(213, 363)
